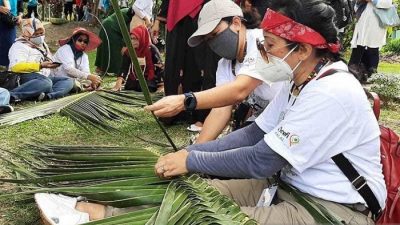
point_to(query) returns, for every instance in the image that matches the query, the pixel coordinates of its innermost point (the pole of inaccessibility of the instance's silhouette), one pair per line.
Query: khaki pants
(285, 210)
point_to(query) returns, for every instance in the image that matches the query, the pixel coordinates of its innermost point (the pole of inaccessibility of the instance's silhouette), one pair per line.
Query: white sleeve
(384, 4)
(143, 8)
(310, 131)
(85, 67)
(66, 57)
(272, 114)
(18, 53)
(249, 65)
(224, 73)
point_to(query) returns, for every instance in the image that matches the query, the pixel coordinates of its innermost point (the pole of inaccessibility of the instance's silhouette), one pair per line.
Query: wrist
(190, 101)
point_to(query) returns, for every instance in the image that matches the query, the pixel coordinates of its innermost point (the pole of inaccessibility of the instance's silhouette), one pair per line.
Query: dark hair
(316, 14)
(251, 19)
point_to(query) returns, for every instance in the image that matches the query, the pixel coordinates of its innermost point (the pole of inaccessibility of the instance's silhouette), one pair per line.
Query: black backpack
(344, 12)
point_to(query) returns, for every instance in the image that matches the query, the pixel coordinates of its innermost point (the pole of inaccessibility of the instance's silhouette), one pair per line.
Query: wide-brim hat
(210, 16)
(94, 40)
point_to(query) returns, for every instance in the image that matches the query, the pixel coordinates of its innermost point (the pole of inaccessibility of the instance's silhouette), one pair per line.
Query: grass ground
(56, 129)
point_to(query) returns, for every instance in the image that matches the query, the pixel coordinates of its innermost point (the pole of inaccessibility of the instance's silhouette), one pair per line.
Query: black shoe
(14, 100)
(43, 97)
(6, 109)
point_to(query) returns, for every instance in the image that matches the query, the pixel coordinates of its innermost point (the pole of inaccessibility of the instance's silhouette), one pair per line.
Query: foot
(6, 109)
(59, 209)
(95, 211)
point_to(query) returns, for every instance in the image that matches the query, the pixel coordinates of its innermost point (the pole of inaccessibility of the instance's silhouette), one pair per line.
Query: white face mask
(37, 40)
(276, 70)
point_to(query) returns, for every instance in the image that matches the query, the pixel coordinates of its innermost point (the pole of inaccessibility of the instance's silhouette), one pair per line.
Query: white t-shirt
(69, 67)
(264, 93)
(331, 115)
(20, 52)
(143, 8)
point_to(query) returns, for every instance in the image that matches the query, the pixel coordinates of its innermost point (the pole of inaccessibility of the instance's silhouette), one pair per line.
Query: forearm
(247, 136)
(214, 124)
(258, 161)
(228, 94)
(26, 67)
(75, 73)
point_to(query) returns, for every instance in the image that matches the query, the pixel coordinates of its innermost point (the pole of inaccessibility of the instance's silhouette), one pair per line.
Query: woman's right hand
(95, 79)
(167, 106)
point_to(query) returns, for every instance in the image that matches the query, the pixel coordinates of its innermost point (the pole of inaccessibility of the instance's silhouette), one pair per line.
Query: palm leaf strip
(136, 66)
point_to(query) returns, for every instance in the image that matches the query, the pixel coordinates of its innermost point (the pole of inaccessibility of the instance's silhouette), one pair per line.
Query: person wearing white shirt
(321, 112)
(143, 13)
(73, 58)
(227, 71)
(30, 56)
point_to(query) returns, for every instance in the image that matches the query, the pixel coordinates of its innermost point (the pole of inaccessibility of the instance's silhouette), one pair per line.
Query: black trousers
(192, 69)
(369, 57)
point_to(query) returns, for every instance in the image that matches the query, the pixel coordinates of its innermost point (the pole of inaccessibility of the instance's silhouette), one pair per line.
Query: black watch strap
(190, 101)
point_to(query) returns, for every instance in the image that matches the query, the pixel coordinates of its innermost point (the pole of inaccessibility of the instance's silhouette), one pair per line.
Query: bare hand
(172, 164)
(49, 65)
(19, 20)
(118, 84)
(96, 80)
(124, 50)
(4, 10)
(167, 106)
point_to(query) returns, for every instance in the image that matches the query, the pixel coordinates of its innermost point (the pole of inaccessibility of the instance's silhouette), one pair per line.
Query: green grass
(56, 129)
(390, 68)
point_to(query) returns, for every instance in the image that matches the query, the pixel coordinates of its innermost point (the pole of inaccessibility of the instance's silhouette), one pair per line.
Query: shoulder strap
(358, 182)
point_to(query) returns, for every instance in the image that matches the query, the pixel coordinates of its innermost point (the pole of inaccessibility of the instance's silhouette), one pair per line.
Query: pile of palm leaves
(120, 177)
(89, 110)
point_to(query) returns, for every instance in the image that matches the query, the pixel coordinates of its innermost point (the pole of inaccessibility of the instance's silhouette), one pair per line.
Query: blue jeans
(32, 85)
(4, 97)
(7, 38)
(61, 87)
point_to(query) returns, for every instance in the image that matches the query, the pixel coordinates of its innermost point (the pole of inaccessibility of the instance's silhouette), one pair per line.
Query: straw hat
(94, 40)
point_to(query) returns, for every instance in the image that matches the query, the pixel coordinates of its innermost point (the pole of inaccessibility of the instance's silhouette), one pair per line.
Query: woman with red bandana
(73, 58)
(141, 42)
(320, 114)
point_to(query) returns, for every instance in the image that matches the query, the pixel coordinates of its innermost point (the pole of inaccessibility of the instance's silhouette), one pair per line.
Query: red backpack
(390, 159)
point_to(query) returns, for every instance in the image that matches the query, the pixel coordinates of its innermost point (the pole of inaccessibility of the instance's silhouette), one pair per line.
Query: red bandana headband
(289, 29)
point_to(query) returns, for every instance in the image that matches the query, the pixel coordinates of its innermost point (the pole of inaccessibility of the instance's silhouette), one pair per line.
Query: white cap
(210, 16)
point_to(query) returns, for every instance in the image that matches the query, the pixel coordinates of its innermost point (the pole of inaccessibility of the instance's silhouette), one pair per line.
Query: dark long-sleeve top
(241, 154)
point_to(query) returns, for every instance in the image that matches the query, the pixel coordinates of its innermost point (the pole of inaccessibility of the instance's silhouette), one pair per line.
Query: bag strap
(358, 182)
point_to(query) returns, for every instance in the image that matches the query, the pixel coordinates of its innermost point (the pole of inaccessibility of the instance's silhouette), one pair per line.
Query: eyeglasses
(264, 52)
(86, 41)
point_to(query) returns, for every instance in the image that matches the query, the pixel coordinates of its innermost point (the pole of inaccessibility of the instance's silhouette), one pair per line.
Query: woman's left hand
(172, 164)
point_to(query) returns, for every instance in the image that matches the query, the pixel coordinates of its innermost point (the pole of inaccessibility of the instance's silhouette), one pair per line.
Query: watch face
(190, 102)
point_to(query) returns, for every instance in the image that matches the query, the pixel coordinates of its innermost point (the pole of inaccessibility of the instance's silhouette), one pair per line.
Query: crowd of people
(275, 64)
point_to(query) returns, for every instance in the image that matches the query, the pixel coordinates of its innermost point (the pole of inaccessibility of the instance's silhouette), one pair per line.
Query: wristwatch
(190, 101)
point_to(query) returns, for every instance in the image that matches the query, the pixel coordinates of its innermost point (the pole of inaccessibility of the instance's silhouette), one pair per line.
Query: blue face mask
(225, 44)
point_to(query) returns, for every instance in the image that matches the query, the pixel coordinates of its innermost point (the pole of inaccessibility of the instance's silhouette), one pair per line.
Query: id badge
(267, 196)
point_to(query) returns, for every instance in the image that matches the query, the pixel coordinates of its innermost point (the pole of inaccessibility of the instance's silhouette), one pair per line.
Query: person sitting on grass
(30, 55)
(5, 106)
(141, 42)
(237, 57)
(74, 60)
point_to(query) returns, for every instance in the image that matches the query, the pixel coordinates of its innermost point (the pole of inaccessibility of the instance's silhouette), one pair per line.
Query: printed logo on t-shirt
(249, 61)
(286, 137)
(294, 139)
